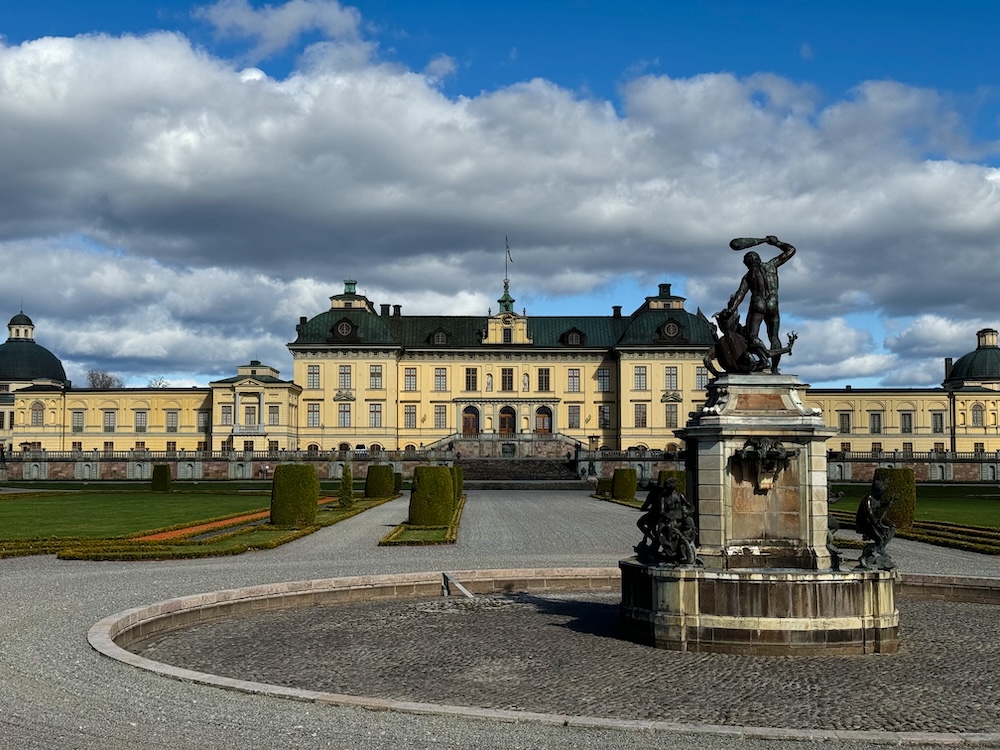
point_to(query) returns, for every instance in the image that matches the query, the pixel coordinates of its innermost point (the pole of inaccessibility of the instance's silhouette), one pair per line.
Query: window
(312, 376)
(876, 447)
(172, 445)
(573, 338)
(247, 446)
(640, 415)
(508, 336)
(343, 415)
(670, 378)
(409, 378)
(603, 380)
(937, 422)
(37, 415)
(701, 378)
(906, 422)
(410, 416)
(507, 379)
(977, 416)
(604, 416)
(440, 378)
(671, 413)
(110, 420)
(171, 421)
(375, 377)
(574, 417)
(344, 377)
(249, 415)
(440, 337)
(273, 415)
(312, 415)
(109, 446)
(78, 421)
(907, 447)
(543, 379)
(845, 447)
(205, 419)
(140, 445)
(440, 416)
(77, 445)
(374, 415)
(639, 380)
(3, 419)
(227, 414)
(875, 422)
(844, 423)
(979, 447)
(573, 380)
(471, 379)
(939, 447)
(202, 445)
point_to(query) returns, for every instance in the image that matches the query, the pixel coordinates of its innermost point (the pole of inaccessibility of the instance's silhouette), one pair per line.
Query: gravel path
(55, 692)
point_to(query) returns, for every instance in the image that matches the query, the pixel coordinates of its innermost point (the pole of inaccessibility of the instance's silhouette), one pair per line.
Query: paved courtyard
(58, 693)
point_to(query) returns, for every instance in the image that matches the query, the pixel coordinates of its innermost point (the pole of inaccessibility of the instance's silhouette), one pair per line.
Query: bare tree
(158, 382)
(104, 380)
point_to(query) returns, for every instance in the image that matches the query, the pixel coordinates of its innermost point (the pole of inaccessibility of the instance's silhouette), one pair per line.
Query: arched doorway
(543, 420)
(470, 420)
(508, 420)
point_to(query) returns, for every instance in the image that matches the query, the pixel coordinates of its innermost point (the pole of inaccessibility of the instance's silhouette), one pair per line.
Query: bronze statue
(668, 528)
(761, 282)
(875, 527)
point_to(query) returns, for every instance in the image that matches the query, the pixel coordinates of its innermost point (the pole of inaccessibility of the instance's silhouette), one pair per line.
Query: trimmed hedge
(604, 486)
(901, 486)
(294, 495)
(457, 482)
(160, 480)
(679, 474)
(432, 496)
(624, 484)
(397, 482)
(345, 495)
(379, 482)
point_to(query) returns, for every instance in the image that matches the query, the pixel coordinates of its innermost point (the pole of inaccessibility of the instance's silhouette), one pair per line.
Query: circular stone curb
(113, 634)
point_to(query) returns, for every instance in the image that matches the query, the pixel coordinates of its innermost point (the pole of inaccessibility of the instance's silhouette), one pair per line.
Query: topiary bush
(379, 482)
(457, 482)
(432, 496)
(679, 474)
(901, 487)
(604, 486)
(624, 484)
(160, 479)
(397, 482)
(345, 496)
(294, 495)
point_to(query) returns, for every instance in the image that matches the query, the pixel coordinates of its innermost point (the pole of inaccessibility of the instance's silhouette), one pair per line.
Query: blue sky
(226, 165)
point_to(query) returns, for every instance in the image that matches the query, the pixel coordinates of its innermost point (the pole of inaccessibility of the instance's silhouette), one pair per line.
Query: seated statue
(875, 527)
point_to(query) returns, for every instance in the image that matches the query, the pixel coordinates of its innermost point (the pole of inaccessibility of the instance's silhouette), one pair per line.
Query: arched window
(375, 448)
(37, 415)
(977, 416)
(344, 447)
(312, 448)
(440, 337)
(573, 338)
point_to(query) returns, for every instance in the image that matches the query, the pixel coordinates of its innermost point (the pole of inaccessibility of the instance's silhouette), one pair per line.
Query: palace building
(374, 381)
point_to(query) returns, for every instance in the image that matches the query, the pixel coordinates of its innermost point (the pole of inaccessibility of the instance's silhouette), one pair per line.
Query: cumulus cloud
(159, 186)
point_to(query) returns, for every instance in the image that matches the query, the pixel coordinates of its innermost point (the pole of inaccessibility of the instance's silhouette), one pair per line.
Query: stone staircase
(520, 473)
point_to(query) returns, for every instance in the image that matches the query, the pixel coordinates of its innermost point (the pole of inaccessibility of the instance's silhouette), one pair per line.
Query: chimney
(664, 290)
(397, 310)
(616, 311)
(948, 364)
(302, 320)
(385, 310)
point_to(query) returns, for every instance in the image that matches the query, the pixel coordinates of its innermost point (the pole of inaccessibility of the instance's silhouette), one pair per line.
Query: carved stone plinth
(764, 612)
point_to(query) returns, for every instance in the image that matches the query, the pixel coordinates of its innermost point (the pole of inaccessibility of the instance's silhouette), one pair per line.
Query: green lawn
(106, 514)
(968, 505)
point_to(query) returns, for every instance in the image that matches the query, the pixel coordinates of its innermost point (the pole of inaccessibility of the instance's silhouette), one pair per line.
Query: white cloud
(220, 203)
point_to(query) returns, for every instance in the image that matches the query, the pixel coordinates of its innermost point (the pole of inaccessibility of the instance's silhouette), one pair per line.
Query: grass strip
(416, 536)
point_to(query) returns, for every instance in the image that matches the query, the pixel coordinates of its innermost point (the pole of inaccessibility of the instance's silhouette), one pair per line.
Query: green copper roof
(24, 360)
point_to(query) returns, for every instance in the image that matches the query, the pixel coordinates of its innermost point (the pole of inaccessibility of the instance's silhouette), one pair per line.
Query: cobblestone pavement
(56, 692)
(560, 654)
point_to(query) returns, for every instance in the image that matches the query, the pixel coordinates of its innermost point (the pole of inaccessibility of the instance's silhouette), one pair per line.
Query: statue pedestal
(757, 476)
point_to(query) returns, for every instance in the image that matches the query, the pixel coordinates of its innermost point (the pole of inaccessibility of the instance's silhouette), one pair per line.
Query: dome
(24, 361)
(20, 320)
(979, 366)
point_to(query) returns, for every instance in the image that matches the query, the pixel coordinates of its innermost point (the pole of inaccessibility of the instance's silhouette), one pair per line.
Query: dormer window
(573, 337)
(440, 338)
(344, 328)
